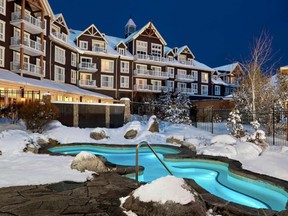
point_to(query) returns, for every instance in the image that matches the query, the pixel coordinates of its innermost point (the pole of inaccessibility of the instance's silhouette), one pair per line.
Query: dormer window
(83, 45)
(121, 51)
(98, 46)
(170, 58)
(141, 47)
(182, 58)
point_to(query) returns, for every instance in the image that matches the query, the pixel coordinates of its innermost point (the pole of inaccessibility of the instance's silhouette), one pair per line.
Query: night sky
(217, 32)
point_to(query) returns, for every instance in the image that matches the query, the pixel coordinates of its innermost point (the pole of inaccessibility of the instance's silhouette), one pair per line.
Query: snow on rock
(169, 188)
(83, 156)
(219, 150)
(247, 150)
(223, 139)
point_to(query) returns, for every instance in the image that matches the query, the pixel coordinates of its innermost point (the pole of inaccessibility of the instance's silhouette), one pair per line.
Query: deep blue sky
(217, 32)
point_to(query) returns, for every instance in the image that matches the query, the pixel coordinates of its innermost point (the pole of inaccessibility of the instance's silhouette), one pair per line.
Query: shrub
(11, 112)
(37, 114)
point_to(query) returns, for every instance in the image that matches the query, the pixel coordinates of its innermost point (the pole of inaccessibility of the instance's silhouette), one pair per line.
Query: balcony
(31, 24)
(99, 49)
(188, 91)
(184, 78)
(30, 69)
(185, 62)
(144, 57)
(60, 36)
(151, 74)
(87, 67)
(148, 88)
(30, 47)
(87, 83)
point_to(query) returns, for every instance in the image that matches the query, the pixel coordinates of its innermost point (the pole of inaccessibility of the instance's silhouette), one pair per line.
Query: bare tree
(256, 92)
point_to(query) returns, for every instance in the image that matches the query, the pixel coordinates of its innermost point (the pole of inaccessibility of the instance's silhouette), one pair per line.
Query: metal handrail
(137, 166)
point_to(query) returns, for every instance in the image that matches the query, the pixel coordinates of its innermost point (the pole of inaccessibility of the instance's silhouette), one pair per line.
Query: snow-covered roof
(218, 81)
(180, 50)
(130, 22)
(9, 76)
(227, 68)
(114, 41)
(167, 50)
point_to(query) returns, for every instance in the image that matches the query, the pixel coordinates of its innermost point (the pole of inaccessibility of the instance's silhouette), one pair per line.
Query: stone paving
(99, 196)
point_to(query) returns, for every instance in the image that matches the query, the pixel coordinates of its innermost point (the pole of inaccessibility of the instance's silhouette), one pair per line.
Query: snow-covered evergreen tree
(234, 124)
(174, 108)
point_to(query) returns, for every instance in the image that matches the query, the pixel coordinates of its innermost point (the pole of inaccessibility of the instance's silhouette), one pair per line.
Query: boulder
(31, 148)
(174, 140)
(153, 124)
(87, 161)
(130, 134)
(98, 135)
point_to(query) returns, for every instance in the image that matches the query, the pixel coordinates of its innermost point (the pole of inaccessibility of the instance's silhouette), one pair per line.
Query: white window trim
(124, 84)
(203, 76)
(81, 43)
(206, 86)
(2, 61)
(112, 81)
(73, 63)
(121, 51)
(194, 74)
(141, 48)
(73, 79)
(217, 90)
(4, 8)
(124, 69)
(103, 69)
(4, 30)
(196, 89)
(171, 73)
(44, 65)
(62, 59)
(156, 49)
(62, 69)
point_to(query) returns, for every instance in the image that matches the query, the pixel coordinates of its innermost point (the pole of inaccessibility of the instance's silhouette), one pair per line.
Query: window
(45, 27)
(194, 88)
(194, 75)
(38, 39)
(170, 58)
(39, 65)
(2, 56)
(124, 82)
(73, 76)
(204, 77)
(107, 81)
(107, 65)
(121, 51)
(2, 30)
(73, 59)
(181, 85)
(98, 46)
(217, 90)
(182, 58)
(141, 67)
(204, 89)
(3, 7)
(156, 49)
(60, 55)
(156, 85)
(170, 71)
(227, 91)
(141, 47)
(170, 85)
(59, 74)
(83, 45)
(226, 79)
(155, 68)
(124, 67)
(181, 72)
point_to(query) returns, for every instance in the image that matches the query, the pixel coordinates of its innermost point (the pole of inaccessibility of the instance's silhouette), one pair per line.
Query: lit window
(107, 65)
(204, 77)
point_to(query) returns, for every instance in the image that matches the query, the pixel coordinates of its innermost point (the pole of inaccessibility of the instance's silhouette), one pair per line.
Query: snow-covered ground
(20, 168)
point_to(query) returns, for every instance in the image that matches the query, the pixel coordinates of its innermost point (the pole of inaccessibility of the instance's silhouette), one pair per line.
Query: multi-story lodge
(39, 52)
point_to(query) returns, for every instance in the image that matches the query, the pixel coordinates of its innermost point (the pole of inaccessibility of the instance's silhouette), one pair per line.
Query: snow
(164, 189)
(229, 68)
(21, 168)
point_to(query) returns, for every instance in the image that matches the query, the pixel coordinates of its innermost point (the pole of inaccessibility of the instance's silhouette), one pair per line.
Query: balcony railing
(99, 49)
(86, 66)
(150, 58)
(151, 73)
(28, 68)
(60, 36)
(186, 62)
(87, 83)
(149, 88)
(185, 90)
(184, 77)
(30, 47)
(34, 24)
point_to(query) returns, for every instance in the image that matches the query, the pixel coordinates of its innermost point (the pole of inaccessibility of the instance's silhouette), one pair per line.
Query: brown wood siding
(62, 28)
(89, 39)
(149, 43)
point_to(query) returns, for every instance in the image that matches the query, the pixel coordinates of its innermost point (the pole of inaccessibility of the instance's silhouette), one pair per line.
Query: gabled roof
(140, 31)
(57, 16)
(168, 50)
(228, 68)
(181, 49)
(47, 9)
(130, 22)
(96, 31)
(115, 41)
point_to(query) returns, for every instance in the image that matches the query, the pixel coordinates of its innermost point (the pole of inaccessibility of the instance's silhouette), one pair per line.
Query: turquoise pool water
(213, 177)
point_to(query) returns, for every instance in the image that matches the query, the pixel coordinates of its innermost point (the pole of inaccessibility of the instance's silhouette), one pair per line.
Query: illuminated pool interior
(210, 175)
